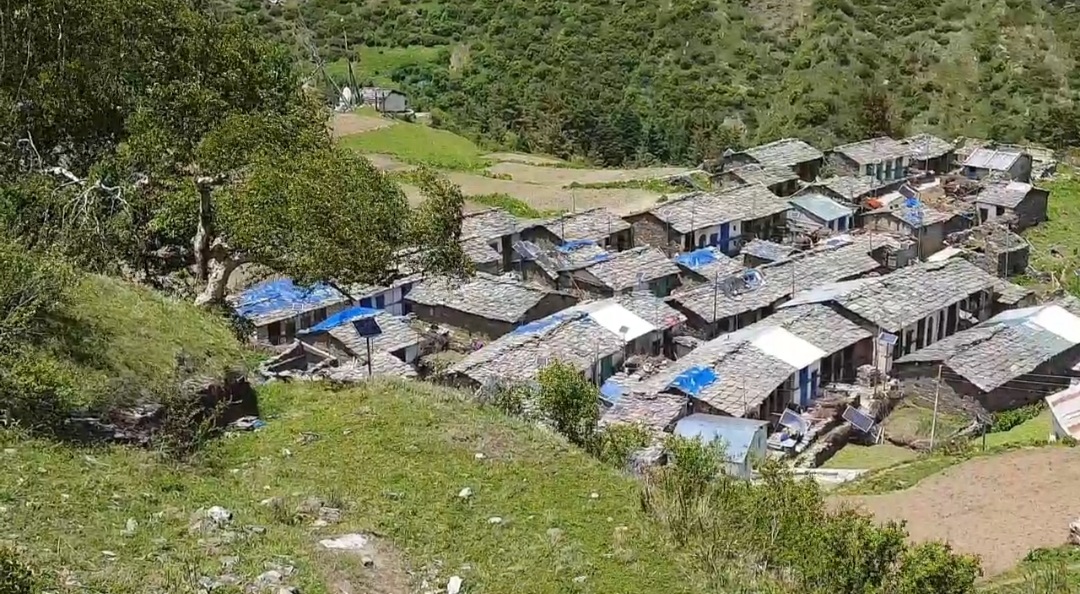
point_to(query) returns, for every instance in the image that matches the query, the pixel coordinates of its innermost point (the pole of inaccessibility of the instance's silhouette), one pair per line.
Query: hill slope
(392, 456)
(675, 81)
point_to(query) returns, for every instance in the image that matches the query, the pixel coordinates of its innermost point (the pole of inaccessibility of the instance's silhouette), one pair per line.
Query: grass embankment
(1055, 245)
(418, 144)
(905, 474)
(1043, 571)
(394, 456)
(378, 64)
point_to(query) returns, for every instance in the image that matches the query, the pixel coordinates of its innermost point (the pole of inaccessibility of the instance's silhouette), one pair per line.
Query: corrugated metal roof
(1007, 194)
(821, 206)
(1065, 406)
(737, 435)
(994, 160)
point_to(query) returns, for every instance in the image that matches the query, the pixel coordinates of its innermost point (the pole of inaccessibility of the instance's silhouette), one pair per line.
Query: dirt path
(997, 507)
(345, 124)
(563, 176)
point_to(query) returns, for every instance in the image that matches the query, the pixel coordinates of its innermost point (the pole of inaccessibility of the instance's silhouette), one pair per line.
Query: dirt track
(997, 507)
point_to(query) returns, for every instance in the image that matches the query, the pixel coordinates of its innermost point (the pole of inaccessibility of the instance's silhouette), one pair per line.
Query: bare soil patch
(562, 176)
(346, 124)
(378, 568)
(555, 197)
(997, 507)
(524, 158)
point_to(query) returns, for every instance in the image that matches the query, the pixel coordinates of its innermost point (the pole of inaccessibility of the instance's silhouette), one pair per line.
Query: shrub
(15, 576)
(614, 445)
(569, 402)
(1007, 419)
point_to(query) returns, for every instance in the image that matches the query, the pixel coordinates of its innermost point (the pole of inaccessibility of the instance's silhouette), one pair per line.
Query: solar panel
(859, 420)
(793, 421)
(887, 339)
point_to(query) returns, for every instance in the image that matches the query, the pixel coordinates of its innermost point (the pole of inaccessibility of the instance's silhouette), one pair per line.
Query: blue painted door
(815, 377)
(804, 386)
(725, 237)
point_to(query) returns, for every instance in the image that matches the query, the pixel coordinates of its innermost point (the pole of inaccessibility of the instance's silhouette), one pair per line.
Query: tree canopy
(158, 137)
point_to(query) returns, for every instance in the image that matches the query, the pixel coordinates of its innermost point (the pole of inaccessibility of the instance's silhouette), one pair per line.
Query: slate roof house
(930, 153)
(815, 211)
(1013, 359)
(790, 153)
(911, 218)
(782, 181)
(278, 309)
(585, 269)
(1009, 164)
(852, 190)
(597, 225)
(759, 252)
(390, 297)
(337, 335)
(1020, 201)
(484, 304)
(594, 337)
(883, 158)
(721, 219)
(707, 264)
(713, 310)
(488, 237)
(920, 304)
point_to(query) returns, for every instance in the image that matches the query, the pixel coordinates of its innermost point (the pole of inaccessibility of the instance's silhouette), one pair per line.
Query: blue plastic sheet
(694, 380)
(697, 258)
(282, 295)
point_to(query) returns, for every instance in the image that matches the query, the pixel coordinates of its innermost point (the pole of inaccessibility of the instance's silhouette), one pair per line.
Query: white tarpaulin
(620, 321)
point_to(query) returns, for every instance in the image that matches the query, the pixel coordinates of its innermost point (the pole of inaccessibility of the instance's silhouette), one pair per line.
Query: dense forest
(634, 81)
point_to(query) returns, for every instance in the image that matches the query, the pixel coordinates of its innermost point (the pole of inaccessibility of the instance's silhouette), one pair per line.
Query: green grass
(873, 457)
(377, 64)
(420, 145)
(1059, 233)
(653, 185)
(393, 455)
(1043, 571)
(911, 421)
(1036, 430)
(512, 205)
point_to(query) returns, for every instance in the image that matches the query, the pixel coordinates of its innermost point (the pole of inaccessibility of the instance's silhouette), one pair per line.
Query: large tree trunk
(204, 235)
(220, 266)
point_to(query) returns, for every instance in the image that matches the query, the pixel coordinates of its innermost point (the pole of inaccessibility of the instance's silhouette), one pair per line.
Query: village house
(584, 271)
(594, 337)
(597, 225)
(1065, 412)
(852, 190)
(883, 158)
(337, 335)
(1011, 360)
(1010, 164)
(846, 344)
(722, 219)
(815, 212)
(992, 247)
(1019, 203)
(390, 297)
(307, 361)
(788, 153)
(744, 440)
(488, 238)
(706, 265)
(484, 304)
(930, 153)
(278, 309)
(760, 252)
(919, 305)
(384, 100)
(781, 181)
(714, 308)
(911, 218)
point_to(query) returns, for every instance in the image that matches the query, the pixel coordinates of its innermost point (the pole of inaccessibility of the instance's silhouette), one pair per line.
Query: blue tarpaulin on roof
(278, 295)
(542, 324)
(611, 391)
(694, 380)
(697, 258)
(601, 257)
(576, 244)
(341, 318)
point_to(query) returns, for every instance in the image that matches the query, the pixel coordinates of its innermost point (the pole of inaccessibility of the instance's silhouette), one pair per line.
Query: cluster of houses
(714, 312)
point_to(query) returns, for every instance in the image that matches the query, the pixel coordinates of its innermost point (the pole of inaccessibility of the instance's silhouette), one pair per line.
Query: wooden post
(937, 394)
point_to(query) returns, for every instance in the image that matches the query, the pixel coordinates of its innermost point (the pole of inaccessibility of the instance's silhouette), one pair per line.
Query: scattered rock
(480, 456)
(495, 520)
(286, 453)
(465, 493)
(288, 590)
(269, 578)
(554, 534)
(308, 437)
(320, 524)
(228, 562)
(454, 585)
(130, 527)
(256, 530)
(367, 561)
(330, 515)
(219, 514)
(9, 451)
(580, 579)
(109, 554)
(272, 502)
(594, 496)
(1074, 532)
(346, 542)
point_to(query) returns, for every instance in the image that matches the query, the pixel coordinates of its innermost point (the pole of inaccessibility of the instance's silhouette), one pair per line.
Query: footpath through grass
(418, 144)
(394, 456)
(908, 473)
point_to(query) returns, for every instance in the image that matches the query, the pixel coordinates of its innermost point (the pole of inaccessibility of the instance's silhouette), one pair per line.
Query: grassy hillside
(393, 457)
(589, 78)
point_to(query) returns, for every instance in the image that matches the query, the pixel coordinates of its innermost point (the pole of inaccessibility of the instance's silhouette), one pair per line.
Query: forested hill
(623, 81)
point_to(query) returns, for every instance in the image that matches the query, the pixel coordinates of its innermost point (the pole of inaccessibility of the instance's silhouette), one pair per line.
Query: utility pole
(937, 394)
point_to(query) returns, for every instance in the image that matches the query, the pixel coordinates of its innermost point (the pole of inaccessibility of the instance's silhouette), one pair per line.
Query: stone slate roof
(803, 271)
(918, 216)
(595, 224)
(906, 296)
(651, 309)
(479, 251)
(819, 325)
(483, 295)
(852, 187)
(359, 292)
(622, 269)
(767, 250)
(708, 263)
(698, 210)
(382, 364)
(927, 146)
(1002, 193)
(786, 152)
(873, 150)
(764, 175)
(488, 224)
(654, 411)
(1010, 293)
(1004, 347)
(396, 335)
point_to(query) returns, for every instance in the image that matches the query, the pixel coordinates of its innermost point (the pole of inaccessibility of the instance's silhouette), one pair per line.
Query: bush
(15, 576)
(614, 445)
(1005, 420)
(570, 402)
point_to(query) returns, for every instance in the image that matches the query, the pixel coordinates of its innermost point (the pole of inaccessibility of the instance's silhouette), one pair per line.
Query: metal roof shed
(744, 440)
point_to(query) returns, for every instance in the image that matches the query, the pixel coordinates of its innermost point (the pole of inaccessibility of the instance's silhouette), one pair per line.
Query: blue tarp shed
(280, 299)
(345, 316)
(694, 380)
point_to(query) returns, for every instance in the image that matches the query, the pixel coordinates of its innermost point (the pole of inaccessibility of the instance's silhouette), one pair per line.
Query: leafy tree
(158, 138)
(570, 402)
(934, 567)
